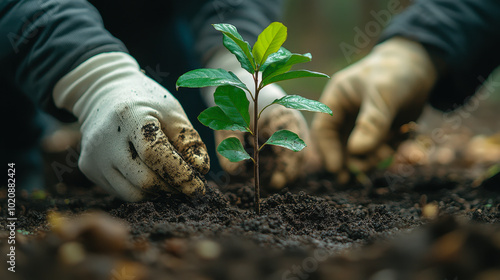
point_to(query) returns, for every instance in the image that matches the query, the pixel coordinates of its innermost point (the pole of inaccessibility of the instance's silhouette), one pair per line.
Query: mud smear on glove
(133, 151)
(193, 150)
(149, 131)
(178, 180)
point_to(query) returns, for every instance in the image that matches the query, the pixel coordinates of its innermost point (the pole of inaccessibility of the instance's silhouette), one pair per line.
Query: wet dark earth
(435, 223)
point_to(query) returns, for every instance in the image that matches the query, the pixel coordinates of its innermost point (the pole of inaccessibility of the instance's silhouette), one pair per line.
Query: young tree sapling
(268, 62)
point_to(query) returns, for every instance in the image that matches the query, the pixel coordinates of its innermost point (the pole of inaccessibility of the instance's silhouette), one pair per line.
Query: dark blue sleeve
(41, 41)
(462, 37)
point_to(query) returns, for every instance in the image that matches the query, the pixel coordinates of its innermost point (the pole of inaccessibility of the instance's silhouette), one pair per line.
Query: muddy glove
(370, 101)
(136, 138)
(279, 166)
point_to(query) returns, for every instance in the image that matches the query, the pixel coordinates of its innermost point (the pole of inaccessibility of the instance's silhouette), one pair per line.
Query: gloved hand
(136, 138)
(370, 101)
(279, 166)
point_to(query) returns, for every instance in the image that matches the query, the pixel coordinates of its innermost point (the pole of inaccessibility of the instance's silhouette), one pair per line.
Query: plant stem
(256, 145)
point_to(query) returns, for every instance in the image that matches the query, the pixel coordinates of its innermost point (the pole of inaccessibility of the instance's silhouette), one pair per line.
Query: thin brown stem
(256, 144)
(260, 113)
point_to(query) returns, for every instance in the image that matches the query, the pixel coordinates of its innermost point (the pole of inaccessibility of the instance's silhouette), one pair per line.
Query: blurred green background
(322, 26)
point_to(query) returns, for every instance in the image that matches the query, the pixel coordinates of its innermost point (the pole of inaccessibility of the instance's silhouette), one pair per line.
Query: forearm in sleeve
(249, 17)
(463, 38)
(41, 41)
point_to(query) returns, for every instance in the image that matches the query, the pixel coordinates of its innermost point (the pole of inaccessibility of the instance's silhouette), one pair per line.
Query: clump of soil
(315, 229)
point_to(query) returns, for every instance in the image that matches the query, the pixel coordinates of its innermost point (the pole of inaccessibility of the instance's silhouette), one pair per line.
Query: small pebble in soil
(176, 246)
(71, 253)
(97, 231)
(208, 250)
(430, 211)
(448, 246)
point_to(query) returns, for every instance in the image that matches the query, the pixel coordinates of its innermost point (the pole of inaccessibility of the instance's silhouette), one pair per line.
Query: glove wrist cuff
(90, 78)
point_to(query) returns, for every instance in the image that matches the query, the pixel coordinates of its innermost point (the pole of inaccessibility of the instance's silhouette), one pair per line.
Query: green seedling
(268, 62)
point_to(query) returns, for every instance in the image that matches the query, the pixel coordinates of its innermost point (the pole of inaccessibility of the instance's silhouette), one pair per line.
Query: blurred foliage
(321, 26)
(39, 195)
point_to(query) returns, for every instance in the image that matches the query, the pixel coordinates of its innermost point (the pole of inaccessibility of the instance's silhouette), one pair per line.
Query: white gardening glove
(136, 138)
(370, 100)
(279, 166)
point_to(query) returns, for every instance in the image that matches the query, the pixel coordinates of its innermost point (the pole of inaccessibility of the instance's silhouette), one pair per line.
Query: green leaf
(243, 54)
(239, 47)
(216, 119)
(228, 29)
(232, 149)
(281, 56)
(233, 101)
(301, 103)
(280, 67)
(492, 171)
(292, 75)
(286, 139)
(209, 77)
(269, 41)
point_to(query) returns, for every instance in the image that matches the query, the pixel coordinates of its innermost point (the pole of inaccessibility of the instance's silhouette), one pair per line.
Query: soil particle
(149, 131)
(133, 151)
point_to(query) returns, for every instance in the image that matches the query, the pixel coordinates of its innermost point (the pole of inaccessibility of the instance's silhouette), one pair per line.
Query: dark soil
(430, 225)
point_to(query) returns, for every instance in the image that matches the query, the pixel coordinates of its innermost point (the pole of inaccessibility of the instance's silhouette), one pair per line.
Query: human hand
(370, 101)
(136, 138)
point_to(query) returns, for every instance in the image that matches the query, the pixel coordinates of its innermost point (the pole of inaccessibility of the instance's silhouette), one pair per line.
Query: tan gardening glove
(370, 100)
(136, 138)
(279, 166)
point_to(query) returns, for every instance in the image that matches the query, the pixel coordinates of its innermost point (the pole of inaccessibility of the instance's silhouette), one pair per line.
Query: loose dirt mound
(315, 229)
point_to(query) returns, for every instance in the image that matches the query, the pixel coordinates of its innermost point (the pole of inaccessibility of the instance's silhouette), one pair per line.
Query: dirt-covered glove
(370, 100)
(136, 138)
(279, 165)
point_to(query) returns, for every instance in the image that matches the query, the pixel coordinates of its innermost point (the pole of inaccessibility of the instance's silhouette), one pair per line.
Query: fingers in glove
(138, 173)
(123, 187)
(372, 124)
(186, 139)
(280, 165)
(368, 162)
(111, 180)
(160, 155)
(312, 159)
(330, 133)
